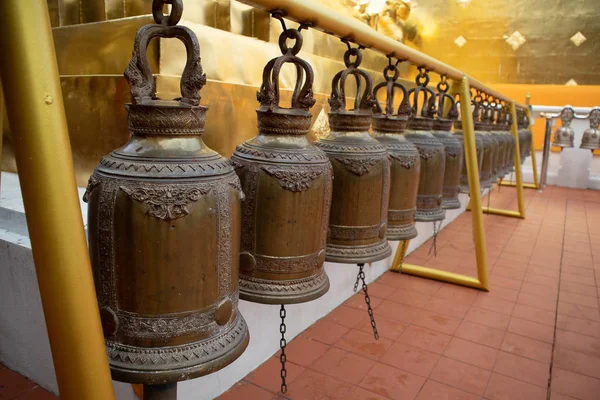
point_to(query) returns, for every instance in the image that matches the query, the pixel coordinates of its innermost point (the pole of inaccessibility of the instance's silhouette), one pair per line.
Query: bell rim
(335, 253)
(401, 232)
(262, 298)
(430, 215)
(172, 375)
(452, 203)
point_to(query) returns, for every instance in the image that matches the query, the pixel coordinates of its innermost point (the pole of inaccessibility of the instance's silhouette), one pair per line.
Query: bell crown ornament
(444, 122)
(422, 114)
(168, 306)
(391, 119)
(271, 117)
(359, 117)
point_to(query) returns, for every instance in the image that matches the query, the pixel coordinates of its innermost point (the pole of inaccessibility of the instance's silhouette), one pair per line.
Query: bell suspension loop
(282, 345)
(361, 276)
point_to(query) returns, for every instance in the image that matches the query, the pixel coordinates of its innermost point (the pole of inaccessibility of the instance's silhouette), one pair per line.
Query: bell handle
(403, 108)
(363, 101)
(428, 109)
(138, 72)
(302, 97)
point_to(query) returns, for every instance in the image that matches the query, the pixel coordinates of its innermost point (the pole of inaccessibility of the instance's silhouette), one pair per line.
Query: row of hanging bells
(565, 135)
(178, 234)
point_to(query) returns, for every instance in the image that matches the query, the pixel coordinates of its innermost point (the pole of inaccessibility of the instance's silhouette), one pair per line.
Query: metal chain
(361, 275)
(283, 344)
(433, 247)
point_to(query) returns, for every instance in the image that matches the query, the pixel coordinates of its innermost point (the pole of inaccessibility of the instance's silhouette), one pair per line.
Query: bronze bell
(164, 225)
(431, 152)
(591, 136)
(496, 130)
(452, 147)
(361, 188)
(464, 178)
(528, 136)
(512, 142)
(486, 178)
(564, 136)
(288, 183)
(497, 144)
(388, 129)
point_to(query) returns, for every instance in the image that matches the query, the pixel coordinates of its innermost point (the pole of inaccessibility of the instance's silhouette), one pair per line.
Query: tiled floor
(535, 335)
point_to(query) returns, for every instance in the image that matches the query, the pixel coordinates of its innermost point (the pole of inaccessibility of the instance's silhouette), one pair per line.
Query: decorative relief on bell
(168, 304)
(288, 184)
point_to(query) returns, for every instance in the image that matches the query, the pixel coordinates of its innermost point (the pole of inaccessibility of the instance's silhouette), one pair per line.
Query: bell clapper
(282, 345)
(361, 276)
(160, 392)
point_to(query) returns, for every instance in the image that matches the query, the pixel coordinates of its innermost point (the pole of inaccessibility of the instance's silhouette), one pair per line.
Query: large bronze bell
(388, 129)
(431, 151)
(565, 135)
(464, 178)
(488, 119)
(361, 188)
(452, 147)
(486, 178)
(288, 183)
(512, 142)
(591, 136)
(498, 134)
(164, 226)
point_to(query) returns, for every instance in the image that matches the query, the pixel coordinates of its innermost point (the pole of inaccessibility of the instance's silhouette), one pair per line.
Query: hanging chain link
(361, 276)
(283, 344)
(436, 228)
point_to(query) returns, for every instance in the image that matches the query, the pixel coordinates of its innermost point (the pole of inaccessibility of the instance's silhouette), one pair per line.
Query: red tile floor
(535, 335)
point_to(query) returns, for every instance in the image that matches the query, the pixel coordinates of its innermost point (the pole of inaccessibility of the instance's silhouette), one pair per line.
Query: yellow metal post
(36, 113)
(482, 280)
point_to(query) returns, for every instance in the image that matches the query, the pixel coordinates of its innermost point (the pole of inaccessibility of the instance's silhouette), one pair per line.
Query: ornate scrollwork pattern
(404, 160)
(166, 202)
(294, 178)
(359, 166)
(427, 153)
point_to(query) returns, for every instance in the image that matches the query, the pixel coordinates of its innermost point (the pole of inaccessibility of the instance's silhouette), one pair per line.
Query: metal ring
(290, 34)
(168, 20)
(423, 82)
(353, 52)
(388, 69)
